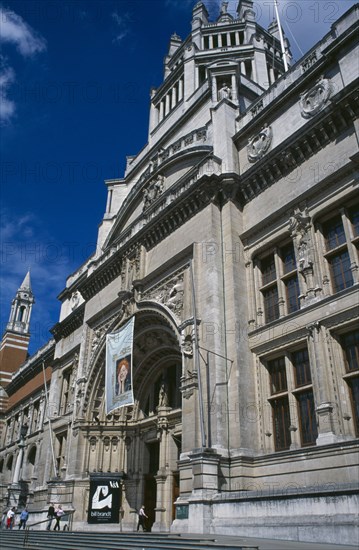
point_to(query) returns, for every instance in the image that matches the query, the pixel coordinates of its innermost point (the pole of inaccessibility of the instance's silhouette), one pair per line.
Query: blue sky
(75, 77)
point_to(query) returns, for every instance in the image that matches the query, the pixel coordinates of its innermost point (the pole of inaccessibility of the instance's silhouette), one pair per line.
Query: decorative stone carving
(259, 144)
(315, 99)
(99, 333)
(309, 61)
(257, 108)
(187, 345)
(170, 294)
(175, 300)
(153, 191)
(75, 299)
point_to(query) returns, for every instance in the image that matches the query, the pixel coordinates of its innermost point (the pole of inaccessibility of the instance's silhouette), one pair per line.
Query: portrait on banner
(119, 368)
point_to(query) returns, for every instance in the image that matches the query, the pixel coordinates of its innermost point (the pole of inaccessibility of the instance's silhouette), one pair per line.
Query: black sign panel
(182, 511)
(105, 498)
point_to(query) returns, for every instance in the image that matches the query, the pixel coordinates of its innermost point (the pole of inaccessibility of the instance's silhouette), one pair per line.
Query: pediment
(155, 183)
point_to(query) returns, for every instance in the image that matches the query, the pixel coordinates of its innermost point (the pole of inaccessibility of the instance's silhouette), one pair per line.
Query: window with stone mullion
(281, 423)
(353, 384)
(341, 254)
(341, 273)
(307, 418)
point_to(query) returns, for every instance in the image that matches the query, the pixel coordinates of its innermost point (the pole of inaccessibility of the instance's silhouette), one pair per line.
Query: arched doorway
(147, 435)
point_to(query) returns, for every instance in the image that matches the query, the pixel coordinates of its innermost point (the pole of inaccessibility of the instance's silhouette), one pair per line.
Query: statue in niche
(259, 144)
(187, 346)
(314, 100)
(75, 299)
(299, 227)
(163, 395)
(304, 259)
(224, 92)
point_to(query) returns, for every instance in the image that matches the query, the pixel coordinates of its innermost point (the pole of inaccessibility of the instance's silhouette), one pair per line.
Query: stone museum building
(232, 240)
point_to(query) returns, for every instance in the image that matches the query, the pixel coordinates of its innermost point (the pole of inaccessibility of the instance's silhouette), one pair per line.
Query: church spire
(15, 343)
(19, 320)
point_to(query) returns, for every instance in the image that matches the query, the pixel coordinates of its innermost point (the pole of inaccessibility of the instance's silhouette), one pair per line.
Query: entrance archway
(144, 440)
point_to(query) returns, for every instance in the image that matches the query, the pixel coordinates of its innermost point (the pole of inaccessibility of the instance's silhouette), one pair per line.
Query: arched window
(9, 463)
(31, 457)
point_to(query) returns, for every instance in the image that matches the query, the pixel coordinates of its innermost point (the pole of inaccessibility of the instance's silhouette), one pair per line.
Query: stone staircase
(70, 540)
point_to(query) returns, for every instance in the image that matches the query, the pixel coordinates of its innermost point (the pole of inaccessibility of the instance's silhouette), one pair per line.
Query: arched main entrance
(143, 441)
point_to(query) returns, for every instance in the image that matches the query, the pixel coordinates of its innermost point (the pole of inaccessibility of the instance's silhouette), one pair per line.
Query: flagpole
(49, 419)
(197, 362)
(284, 53)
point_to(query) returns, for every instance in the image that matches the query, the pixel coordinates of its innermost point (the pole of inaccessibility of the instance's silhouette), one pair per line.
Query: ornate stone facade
(235, 249)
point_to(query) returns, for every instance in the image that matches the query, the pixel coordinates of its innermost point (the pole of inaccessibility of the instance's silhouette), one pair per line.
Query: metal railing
(67, 517)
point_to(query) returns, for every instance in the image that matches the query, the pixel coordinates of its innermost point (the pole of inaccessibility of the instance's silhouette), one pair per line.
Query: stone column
(251, 295)
(210, 41)
(352, 255)
(161, 110)
(214, 89)
(234, 88)
(205, 468)
(180, 89)
(167, 104)
(324, 407)
(173, 97)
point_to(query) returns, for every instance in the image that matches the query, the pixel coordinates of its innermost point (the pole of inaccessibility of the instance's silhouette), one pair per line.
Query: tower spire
(15, 342)
(21, 307)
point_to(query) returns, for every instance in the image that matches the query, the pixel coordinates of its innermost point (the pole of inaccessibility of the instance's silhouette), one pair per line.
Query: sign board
(105, 498)
(182, 511)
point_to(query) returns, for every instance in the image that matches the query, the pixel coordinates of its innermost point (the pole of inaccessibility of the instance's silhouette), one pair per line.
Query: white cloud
(7, 106)
(14, 30)
(123, 25)
(26, 245)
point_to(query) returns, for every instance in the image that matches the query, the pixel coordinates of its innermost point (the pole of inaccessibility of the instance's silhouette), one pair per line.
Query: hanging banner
(119, 367)
(105, 498)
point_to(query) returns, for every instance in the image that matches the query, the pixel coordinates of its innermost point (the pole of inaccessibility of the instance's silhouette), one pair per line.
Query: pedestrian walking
(58, 515)
(24, 516)
(50, 516)
(10, 518)
(142, 518)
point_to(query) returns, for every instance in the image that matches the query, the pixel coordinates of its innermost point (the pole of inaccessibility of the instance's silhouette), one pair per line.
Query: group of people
(9, 518)
(54, 514)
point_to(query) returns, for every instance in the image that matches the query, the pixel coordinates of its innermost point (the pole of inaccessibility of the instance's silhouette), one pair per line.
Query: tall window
(290, 376)
(279, 282)
(65, 394)
(60, 450)
(350, 347)
(280, 405)
(304, 396)
(341, 237)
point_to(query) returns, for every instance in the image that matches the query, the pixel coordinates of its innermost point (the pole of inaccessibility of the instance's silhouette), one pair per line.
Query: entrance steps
(70, 540)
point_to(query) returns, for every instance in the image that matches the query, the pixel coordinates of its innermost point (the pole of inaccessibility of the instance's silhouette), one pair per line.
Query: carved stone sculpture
(259, 144)
(315, 99)
(153, 191)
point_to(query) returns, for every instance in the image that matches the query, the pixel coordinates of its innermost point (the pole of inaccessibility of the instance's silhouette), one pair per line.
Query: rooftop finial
(224, 7)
